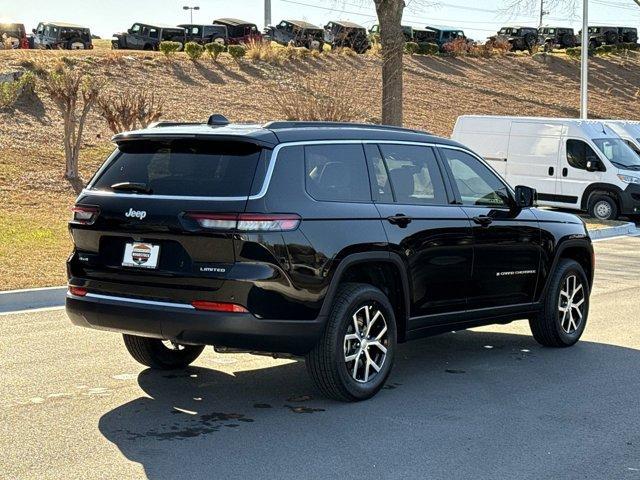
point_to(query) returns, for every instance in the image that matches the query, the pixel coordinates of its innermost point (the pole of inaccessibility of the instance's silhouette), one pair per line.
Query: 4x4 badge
(136, 214)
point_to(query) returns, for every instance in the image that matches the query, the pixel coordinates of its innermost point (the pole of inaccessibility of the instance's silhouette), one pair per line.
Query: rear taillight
(84, 214)
(218, 306)
(246, 222)
(77, 291)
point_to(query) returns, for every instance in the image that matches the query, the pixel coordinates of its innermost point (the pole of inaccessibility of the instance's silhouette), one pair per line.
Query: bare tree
(129, 110)
(389, 14)
(74, 94)
(516, 7)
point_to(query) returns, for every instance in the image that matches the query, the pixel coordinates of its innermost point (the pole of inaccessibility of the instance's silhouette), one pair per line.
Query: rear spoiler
(128, 137)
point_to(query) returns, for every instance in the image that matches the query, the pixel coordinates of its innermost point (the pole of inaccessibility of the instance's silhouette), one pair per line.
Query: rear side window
(336, 173)
(184, 167)
(414, 174)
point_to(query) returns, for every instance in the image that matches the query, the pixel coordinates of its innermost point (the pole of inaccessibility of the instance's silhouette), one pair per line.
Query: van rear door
(534, 148)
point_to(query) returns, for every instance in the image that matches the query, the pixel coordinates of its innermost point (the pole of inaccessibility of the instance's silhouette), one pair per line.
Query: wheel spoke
(351, 358)
(375, 366)
(578, 303)
(355, 323)
(351, 336)
(373, 320)
(366, 366)
(577, 290)
(381, 334)
(379, 346)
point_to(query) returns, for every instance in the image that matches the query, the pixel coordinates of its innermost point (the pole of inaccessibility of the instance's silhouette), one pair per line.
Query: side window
(336, 173)
(414, 174)
(135, 28)
(153, 32)
(380, 186)
(633, 147)
(477, 184)
(579, 153)
(195, 31)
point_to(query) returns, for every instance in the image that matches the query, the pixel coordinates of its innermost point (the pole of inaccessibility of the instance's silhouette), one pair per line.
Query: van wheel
(566, 307)
(603, 207)
(161, 355)
(354, 356)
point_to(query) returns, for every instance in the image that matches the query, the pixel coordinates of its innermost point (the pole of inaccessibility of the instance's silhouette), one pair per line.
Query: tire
(558, 325)
(327, 363)
(603, 207)
(155, 354)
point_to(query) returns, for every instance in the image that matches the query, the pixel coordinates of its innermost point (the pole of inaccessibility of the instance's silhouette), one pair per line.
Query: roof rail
(171, 124)
(280, 125)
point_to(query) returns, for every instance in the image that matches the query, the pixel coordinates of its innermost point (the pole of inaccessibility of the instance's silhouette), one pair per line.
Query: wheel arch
(580, 250)
(383, 270)
(606, 188)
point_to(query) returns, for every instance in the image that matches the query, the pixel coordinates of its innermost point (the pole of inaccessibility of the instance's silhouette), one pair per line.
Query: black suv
(556, 37)
(329, 241)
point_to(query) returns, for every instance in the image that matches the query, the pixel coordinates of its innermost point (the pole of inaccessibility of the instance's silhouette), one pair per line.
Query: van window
(184, 167)
(633, 147)
(336, 173)
(579, 153)
(414, 174)
(618, 153)
(477, 184)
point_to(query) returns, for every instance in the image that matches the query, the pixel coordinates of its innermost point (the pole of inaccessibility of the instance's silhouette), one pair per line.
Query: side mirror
(526, 197)
(594, 166)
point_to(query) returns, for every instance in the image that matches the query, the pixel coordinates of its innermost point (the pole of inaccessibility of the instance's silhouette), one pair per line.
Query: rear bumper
(185, 324)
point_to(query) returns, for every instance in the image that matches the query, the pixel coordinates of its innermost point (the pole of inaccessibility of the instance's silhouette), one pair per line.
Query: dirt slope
(34, 200)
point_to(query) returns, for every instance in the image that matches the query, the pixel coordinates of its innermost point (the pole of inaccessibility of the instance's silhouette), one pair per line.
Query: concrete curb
(17, 300)
(619, 231)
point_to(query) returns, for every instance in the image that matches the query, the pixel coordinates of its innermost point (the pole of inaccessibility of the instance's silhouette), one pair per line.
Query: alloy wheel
(365, 343)
(171, 345)
(571, 304)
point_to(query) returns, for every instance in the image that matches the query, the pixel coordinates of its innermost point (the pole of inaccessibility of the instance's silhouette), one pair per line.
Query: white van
(576, 164)
(627, 130)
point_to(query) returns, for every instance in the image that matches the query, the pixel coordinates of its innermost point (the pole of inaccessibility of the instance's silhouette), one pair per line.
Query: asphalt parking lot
(487, 403)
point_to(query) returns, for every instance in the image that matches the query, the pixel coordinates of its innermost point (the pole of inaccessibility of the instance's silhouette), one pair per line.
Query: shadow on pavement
(461, 405)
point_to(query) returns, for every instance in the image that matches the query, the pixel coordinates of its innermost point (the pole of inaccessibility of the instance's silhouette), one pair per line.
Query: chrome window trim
(270, 169)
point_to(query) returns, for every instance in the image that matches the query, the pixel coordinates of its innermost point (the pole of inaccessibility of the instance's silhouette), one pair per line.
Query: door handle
(551, 170)
(399, 219)
(565, 171)
(483, 220)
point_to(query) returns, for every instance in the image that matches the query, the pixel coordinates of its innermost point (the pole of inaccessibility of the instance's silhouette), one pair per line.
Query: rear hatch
(138, 224)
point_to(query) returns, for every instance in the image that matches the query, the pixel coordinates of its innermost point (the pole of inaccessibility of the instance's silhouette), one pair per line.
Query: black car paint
(446, 263)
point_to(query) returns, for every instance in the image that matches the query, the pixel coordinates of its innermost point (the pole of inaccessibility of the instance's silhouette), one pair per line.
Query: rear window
(184, 167)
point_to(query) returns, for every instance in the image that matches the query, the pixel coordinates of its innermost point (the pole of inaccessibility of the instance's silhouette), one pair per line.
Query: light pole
(542, 13)
(584, 62)
(191, 9)
(267, 13)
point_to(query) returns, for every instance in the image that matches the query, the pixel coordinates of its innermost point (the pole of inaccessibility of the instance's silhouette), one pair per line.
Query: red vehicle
(240, 31)
(14, 34)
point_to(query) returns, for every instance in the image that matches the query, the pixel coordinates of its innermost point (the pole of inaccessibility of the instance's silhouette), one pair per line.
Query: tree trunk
(392, 40)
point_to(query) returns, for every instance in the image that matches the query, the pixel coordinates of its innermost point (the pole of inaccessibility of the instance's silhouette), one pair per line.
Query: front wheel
(603, 207)
(354, 356)
(159, 354)
(566, 307)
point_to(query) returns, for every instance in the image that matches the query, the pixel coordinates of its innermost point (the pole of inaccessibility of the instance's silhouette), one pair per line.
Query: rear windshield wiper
(132, 187)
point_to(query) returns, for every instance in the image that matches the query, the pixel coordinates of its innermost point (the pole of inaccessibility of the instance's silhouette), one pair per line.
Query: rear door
(154, 195)
(432, 236)
(506, 240)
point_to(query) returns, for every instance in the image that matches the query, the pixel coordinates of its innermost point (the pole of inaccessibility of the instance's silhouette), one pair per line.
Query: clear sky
(479, 18)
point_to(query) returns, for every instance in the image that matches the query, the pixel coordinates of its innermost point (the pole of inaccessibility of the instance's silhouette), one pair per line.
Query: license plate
(141, 255)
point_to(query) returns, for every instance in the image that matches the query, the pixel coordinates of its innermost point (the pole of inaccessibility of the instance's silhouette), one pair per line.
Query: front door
(432, 236)
(506, 240)
(575, 178)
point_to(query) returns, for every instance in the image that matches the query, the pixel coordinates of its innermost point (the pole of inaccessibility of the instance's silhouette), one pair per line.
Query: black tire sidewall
(366, 295)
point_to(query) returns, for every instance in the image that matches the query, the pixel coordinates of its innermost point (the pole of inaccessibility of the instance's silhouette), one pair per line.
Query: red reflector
(85, 214)
(218, 306)
(77, 291)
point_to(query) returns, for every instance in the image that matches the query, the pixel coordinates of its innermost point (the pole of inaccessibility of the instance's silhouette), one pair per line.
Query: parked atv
(520, 38)
(347, 34)
(556, 37)
(297, 33)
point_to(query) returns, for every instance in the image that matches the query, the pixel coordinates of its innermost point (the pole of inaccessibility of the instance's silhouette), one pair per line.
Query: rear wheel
(566, 307)
(159, 354)
(354, 356)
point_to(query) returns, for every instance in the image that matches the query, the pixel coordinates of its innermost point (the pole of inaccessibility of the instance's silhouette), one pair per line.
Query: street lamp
(584, 62)
(191, 9)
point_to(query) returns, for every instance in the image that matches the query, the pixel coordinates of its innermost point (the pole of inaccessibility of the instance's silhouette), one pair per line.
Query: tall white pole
(584, 62)
(267, 13)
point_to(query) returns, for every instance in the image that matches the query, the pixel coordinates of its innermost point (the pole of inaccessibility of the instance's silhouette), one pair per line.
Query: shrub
(237, 51)
(457, 47)
(411, 48)
(429, 49)
(169, 48)
(193, 50)
(574, 52)
(214, 50)
(10, 92)
(129, 110)
(483, 50)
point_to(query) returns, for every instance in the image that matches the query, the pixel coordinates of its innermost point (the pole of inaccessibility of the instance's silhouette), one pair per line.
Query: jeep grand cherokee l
(330, 241)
